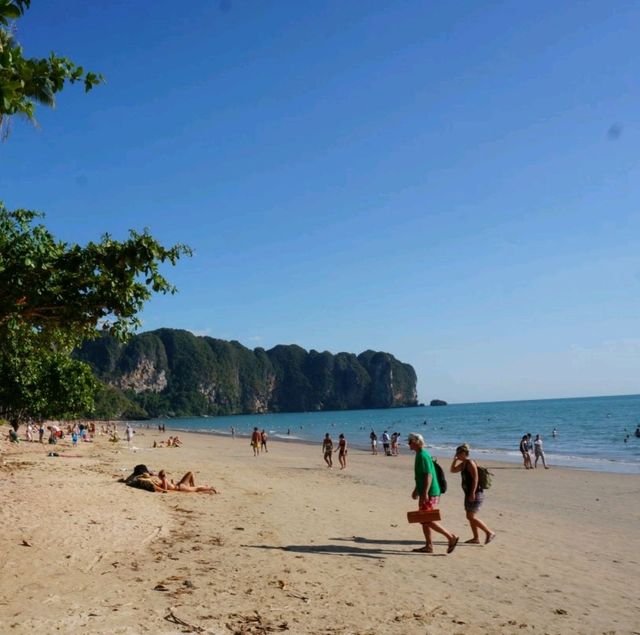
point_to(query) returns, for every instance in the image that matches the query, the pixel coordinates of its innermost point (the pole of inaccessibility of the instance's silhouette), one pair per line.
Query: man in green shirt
(427, 491)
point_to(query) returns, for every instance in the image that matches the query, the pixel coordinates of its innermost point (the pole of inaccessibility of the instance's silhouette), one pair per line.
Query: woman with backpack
(473, 493)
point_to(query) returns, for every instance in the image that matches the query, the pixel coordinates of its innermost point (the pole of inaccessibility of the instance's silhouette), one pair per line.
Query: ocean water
(591, 430)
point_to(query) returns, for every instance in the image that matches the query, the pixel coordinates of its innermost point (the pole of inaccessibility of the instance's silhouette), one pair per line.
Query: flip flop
(424, 549)
(490, 537)
(452, 544)
(472, 541)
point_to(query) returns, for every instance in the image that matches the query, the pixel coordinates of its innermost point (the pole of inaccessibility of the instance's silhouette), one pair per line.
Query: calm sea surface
(591, 431)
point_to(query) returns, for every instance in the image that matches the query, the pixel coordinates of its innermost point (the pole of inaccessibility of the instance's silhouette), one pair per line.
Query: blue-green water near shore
(591, 430)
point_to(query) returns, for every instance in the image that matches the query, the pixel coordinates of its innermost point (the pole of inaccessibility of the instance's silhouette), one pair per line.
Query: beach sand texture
(290, 546)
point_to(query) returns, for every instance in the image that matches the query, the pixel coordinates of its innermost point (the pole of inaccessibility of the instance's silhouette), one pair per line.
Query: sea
(594, 433)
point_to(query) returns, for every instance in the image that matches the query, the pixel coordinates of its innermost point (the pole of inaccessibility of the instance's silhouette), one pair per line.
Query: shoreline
(584, 464)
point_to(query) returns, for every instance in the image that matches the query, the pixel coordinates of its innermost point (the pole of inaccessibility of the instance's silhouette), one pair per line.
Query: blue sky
(455, 183)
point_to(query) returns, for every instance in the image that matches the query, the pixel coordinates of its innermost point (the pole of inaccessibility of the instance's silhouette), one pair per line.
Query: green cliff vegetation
(172, 372)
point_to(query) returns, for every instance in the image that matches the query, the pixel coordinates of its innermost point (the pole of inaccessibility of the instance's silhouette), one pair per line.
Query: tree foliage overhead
(24, 81)
(55, 295)
(68, 290)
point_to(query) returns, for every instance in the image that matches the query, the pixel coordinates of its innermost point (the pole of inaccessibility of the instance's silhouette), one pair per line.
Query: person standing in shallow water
(427, 492)
(473, 493)
(327, 449)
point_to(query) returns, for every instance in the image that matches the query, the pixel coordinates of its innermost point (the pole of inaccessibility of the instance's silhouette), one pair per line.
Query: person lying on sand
(186, 484)
(143, 478)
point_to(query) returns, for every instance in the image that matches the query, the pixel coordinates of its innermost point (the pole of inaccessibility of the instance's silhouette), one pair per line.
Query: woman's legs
(476, 524)
(187, 479)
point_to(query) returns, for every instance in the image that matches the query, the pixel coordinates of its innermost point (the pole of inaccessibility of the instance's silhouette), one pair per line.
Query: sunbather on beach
(186, 484)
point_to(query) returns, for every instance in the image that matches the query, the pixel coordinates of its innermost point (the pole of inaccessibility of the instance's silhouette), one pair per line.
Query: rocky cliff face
(174, 372)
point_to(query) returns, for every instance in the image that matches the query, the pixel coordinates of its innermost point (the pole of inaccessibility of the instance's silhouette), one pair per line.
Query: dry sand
(290, 546)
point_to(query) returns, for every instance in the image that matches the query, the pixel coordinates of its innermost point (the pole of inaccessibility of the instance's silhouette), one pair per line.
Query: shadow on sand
(379, 553)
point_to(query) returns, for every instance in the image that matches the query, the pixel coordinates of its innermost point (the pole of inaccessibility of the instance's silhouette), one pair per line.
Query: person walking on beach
(394, 444)
(524, 450)
(129, 433)
(41, 432)
(327, 449)
(263, 441)
(233, 432)
(427, 492)
(537, 445)
(374, 442)
(342, 451)
(256, 441)
(385, 443)
(473, 493)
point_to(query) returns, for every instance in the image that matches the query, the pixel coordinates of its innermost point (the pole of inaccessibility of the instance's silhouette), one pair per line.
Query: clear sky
(455, 183)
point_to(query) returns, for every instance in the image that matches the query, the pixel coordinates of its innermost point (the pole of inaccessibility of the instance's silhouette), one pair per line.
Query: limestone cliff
(173, 372)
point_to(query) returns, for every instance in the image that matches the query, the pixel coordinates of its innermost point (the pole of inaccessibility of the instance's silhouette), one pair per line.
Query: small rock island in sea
(437, 402)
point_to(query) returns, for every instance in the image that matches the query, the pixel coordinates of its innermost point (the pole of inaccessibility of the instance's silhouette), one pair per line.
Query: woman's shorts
(476, 505)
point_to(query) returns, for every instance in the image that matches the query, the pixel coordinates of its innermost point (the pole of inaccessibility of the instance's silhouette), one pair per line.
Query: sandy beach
(291, 546)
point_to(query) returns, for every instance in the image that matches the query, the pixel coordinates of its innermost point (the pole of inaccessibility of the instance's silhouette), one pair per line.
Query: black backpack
(442, 481)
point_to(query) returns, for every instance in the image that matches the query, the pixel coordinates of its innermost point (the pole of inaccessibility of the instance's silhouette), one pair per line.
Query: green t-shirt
(424, 466)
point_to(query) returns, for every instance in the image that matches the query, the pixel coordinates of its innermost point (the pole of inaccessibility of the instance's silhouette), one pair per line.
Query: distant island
(171, 372)
(437, 402)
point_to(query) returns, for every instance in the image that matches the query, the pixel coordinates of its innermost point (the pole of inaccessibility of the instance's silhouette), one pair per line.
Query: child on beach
(473, 493)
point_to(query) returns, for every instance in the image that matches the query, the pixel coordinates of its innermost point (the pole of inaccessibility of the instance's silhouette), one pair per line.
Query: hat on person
(415, 437)
(141, 469)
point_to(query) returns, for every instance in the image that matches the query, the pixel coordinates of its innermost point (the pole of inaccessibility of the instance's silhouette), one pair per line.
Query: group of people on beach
(328, 450)
(77, 430)
(171, 442)
(390, 443)
(258, 441)
(428, 489)
(529, 447)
